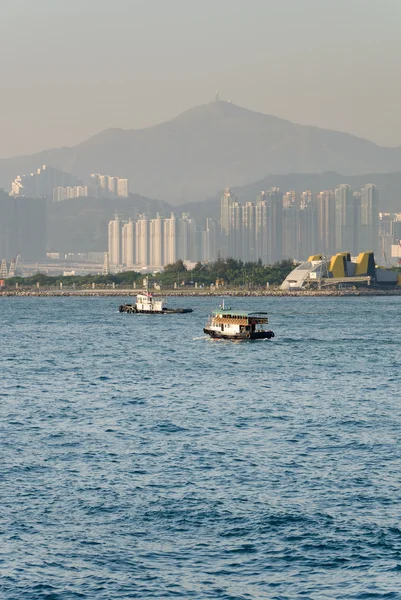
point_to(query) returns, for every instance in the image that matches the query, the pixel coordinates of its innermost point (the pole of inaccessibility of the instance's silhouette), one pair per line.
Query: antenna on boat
(222, 303)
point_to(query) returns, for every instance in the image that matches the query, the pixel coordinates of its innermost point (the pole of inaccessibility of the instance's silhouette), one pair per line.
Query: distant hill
(207, 148)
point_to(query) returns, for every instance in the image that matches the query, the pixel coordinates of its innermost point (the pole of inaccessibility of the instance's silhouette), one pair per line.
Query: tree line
(228, 272)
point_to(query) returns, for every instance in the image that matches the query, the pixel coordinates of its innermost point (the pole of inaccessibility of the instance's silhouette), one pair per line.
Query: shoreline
(37, 293)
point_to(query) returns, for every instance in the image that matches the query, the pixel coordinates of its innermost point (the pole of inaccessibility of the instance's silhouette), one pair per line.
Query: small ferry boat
(233, 324)
(146, 304)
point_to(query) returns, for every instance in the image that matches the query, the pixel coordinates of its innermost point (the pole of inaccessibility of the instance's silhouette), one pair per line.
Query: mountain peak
(207, 148)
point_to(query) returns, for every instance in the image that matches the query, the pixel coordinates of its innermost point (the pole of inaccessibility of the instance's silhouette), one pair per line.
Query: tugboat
(233, 324)
(147, 305)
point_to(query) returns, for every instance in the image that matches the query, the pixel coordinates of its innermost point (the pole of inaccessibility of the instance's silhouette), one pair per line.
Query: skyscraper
(156, 242)
(347, 208)
(326, 223)
(307, 230)
(226, 202)
(235, 247)
(142, 241)
(261, 232)
(249, 232)
(275, 224)
(369, 228)
(128, 244)
(210, 241)
(115, 242)
(290, 232)
(171, 234)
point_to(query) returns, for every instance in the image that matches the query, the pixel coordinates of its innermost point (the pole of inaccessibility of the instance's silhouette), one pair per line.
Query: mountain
(208, 148)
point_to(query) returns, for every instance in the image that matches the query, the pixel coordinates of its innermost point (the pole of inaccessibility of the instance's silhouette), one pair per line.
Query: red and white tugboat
(146, 304)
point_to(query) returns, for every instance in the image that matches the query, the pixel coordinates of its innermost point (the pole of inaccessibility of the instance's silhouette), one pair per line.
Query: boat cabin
(232, 321)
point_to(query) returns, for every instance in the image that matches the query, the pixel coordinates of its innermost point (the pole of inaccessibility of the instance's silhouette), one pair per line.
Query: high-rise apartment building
(307, 230)
(326, 223)
(171, 240)
(65, 193)
(235, 231)
(369, 228)
(107, 186)
(210, 241)
(290, 232)
(249, 249)
(156, 242)
(347, 209)
(226, 201)
(261, 230)
(290, 199)
(115, 242)
(41, 183)
(142, 241)
(128, 244)
(275, 224)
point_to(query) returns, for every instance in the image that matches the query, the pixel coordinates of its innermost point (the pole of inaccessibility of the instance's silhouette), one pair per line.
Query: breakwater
(199, 293)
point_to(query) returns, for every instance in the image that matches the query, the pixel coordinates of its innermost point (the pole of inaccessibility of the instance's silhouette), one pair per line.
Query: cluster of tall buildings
(42, 182)
(276, 226)
(106, 186)
(153, 243)
(51, 183)
(65, 193)
(293, 225)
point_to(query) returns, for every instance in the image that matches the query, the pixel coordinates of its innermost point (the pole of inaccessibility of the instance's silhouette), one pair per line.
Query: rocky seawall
(197, 293)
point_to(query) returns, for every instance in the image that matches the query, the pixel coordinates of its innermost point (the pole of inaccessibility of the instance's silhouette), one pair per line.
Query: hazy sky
(71, 68)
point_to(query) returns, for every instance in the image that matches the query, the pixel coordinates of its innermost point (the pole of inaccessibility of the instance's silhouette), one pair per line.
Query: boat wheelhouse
(228, 323)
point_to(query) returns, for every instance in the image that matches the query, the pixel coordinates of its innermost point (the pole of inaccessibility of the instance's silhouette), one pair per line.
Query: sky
(72, 68)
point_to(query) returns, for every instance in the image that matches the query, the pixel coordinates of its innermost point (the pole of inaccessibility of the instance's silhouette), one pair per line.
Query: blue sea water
(141, 460)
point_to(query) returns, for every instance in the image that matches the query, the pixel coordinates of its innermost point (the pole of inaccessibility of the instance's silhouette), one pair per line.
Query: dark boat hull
(255, 335)
(130, 308)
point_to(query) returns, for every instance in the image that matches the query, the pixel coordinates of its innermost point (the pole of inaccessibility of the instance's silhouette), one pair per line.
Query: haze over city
(76, 68)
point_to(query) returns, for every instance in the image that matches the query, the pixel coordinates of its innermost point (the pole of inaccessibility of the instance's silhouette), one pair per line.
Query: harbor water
(141, 459)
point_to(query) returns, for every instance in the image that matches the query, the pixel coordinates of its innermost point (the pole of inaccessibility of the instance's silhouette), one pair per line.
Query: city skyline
(276, 226)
